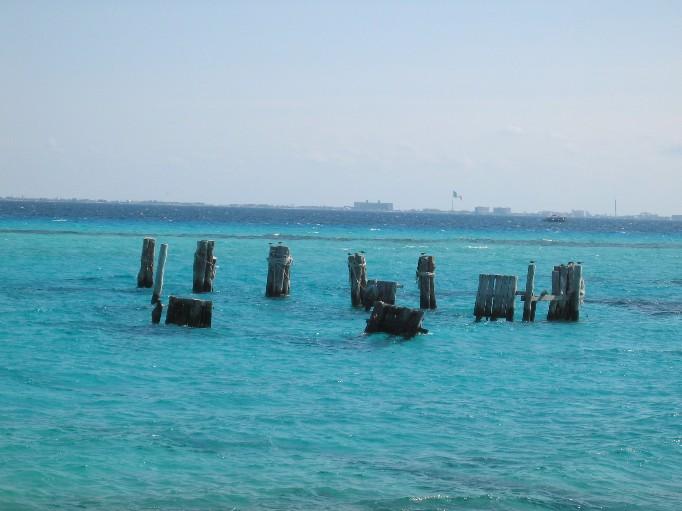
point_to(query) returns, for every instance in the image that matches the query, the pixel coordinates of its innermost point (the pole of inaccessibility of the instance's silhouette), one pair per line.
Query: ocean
(286, 404)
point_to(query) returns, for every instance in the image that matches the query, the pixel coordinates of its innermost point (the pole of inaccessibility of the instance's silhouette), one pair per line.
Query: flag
(455, 195)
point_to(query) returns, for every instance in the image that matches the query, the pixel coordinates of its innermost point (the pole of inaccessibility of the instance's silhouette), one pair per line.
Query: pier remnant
(495, 297)
(204, 267)
(496, 294)
(426, 268)
(357, 274)
(395, 320)
(189, 312)
(279, 264)
(160, 268)
(378, 290)
(145, 277)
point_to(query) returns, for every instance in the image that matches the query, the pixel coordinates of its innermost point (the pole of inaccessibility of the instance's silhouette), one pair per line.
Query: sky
(529, 105)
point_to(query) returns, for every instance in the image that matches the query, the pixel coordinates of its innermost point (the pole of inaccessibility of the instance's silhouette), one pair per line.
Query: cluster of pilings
(497, 293)
(364, 292)
(181, 311)
(495, 298)
(379, 295)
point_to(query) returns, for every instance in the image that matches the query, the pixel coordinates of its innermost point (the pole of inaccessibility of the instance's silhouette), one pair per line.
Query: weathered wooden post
(204, 269)
(578, 290)
(279, 264)
(145, 277)
(552, 309)
(199, 268)
(189, 311)
(160, 268)
(529, 304)
(426, 268)
(484, 296)
(211, 267)
(395, 320)
(357, 274)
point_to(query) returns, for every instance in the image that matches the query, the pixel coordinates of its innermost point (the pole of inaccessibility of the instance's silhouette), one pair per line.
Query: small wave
(59, 220)
(477, 247)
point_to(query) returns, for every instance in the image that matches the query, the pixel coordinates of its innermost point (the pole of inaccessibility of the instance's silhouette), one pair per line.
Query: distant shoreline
(350, 209)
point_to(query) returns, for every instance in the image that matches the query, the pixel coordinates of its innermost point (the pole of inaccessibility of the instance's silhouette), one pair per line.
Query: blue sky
(532, 105)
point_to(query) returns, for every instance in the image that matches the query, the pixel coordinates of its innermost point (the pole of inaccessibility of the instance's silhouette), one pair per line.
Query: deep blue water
(285, 404)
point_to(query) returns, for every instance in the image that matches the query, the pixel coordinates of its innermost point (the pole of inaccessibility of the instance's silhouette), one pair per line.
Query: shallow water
(284, 404)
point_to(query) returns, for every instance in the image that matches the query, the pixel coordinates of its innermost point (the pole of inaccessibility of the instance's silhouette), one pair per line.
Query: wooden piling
(578, 290)
(529, 304)
(279, 264)
(489, 295)
(189, 311)
(160, 268)
(552, 309)
(211, 266)
(199, 268)
(379, 290)
(497, 309)
(145, 277)
(510, 298)
(426, 268)
(479, 306)
(357, 274)
(395, 320)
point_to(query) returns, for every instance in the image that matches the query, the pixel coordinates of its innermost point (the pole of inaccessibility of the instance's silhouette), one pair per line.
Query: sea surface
(285, 404)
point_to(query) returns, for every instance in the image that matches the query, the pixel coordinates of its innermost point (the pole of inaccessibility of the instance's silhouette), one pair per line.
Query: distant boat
(555, 218)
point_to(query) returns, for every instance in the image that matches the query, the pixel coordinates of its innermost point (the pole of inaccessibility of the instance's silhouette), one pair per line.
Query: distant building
(482, 210)
(501, 211)
(579, 213)
(373, 206)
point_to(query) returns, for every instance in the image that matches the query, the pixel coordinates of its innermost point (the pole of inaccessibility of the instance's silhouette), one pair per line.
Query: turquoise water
(285, 404)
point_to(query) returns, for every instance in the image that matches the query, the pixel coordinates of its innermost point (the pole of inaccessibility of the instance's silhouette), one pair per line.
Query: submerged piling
(189, 312)
(156, 312)
(145, 277)
(279, 264)
(395, 320)
(426, 268)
